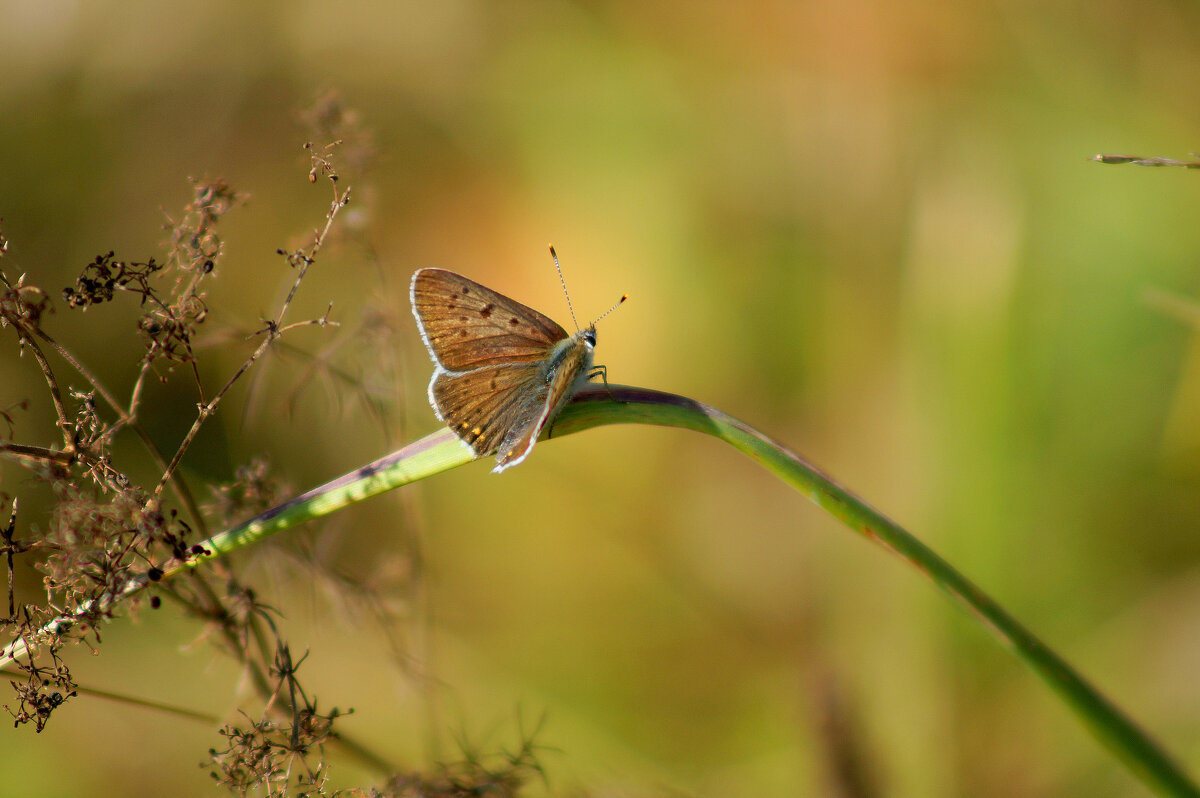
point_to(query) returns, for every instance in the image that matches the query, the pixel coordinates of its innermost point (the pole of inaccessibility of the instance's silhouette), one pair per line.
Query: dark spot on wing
(493, 383)
(462, 333)
(466, 290)
(463, 319)
(487, 310)
(514, 321)
(451, 306)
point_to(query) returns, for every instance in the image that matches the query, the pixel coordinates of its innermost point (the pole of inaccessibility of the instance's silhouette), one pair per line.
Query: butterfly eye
(589, 335)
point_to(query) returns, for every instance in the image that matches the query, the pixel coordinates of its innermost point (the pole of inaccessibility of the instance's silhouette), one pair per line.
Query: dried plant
(106, 529)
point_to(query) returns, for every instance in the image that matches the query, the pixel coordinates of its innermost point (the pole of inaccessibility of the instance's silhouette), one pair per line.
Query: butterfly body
(502, 371)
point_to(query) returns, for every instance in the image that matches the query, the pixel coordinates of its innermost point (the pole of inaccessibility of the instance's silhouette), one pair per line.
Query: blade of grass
(1144, 757)
(599, 406)
(433, 454)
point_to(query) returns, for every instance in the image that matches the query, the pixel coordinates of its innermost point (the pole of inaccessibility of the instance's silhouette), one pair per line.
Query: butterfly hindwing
(467, 325)
(561, 384)
(486, 406)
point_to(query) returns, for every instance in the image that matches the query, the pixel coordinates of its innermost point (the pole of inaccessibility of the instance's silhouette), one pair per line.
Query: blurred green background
(868, 228)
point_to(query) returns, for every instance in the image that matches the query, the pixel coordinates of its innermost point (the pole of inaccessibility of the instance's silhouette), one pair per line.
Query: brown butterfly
(502, 371)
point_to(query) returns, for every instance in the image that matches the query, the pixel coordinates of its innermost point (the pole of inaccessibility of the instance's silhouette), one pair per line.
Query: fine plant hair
(105, 528)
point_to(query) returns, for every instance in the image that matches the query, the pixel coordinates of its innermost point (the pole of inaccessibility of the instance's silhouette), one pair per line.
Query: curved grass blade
(596, 407)
(599, 406)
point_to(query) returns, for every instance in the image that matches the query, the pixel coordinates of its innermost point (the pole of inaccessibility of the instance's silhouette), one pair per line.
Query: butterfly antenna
(567, 294)
(620, 302)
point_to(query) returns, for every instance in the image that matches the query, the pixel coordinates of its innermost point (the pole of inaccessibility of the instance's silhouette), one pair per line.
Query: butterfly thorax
(571, 356)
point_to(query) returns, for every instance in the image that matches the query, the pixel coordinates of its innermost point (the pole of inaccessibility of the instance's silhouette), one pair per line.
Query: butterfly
(502, 371)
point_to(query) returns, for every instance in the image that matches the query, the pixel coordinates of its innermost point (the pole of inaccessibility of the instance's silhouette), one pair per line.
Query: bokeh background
(869, 228)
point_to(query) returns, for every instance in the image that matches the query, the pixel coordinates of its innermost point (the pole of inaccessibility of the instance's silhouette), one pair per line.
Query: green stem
(1103, 719)
(598, 406)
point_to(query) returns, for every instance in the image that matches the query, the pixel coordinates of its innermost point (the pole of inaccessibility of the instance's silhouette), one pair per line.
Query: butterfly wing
(561, 386)
(486, 406)
(502, 410)
(466, 325)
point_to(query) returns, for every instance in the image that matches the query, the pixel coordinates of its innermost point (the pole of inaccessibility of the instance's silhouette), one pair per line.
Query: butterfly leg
(593, 373)
(602, 373)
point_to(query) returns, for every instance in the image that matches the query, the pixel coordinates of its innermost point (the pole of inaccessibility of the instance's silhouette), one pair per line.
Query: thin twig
(39, 453)
(272, 331)
(182, 492)
(9, 550)
(26, 333)
(1138, 160)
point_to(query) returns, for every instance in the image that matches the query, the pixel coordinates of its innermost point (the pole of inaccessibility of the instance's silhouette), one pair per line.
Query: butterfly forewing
(467, 325)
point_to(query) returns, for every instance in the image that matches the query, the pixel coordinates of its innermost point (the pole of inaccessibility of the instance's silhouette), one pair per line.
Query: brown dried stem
(273, 330)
